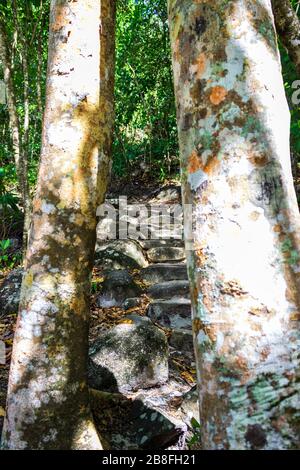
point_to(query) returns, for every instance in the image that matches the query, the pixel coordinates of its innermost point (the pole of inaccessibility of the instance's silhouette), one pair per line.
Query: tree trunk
(26, 124)
(20, 146)
(243, 253)
(107, 81)
(48, 406)
(288, 28)
(11, 102)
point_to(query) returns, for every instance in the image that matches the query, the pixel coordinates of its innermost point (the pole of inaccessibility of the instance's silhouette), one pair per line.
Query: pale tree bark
(11, 101)
(288, 28)
(243, 258)
(48, 406)
(26, 122)
(107, 82)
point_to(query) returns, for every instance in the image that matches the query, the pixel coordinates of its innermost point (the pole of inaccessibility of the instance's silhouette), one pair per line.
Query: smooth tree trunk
(11, 103)
(26, 123)
(241, 222)
(48, 406)
(107, 88)
(288, 28)
(20, 143)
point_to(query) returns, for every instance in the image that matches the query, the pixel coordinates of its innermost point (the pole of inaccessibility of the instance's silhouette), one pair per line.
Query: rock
(130, 424)
(169, 290)
(182, 341)
(129, 357)
(161, 272)
(120, 254)
(116, 288)
(165, 253)
(10, 290)
(131, 303)
(175, 314)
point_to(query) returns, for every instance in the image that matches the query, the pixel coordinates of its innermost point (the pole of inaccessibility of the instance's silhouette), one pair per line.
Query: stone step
(165, 253)
(161, 272)
(170, 289)
(175, 314)
(182, 341)
(157, 243)
(120, 254)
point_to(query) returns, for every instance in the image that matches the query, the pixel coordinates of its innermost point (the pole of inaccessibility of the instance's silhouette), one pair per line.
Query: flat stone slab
(120, 254)
(170, 289)
(161, 272)
(165, 253)
(174, 314)
(182, 341)
(157, 243)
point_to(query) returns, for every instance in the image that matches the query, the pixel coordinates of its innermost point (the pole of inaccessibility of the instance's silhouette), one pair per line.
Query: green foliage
(10, 214)
(289, 77)
(146, 132)
(9, 258)
(196, 433)
(31, 20)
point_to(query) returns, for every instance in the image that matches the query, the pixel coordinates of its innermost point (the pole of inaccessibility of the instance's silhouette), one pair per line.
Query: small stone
(161, 272)
(165, 253)
(175, 314)
(170, 289)
(131, 303)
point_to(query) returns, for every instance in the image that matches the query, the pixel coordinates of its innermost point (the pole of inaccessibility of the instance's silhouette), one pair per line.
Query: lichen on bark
(48, 402)
(233, 125)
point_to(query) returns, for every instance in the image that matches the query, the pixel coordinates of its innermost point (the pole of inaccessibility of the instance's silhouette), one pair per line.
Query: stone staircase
(160, 266)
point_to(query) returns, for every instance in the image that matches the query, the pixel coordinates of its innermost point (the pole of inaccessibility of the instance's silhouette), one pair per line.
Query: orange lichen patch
(61, 18)
(259, 311)
(197, 325)
(295, 316)
(176, 49)
(277, 228)
(218, 95)
(212, 164)
(241, 363)
(254, 215)
(37, 205)
(233, 288)
(194, 163)
(211, 333)
(258, 160)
